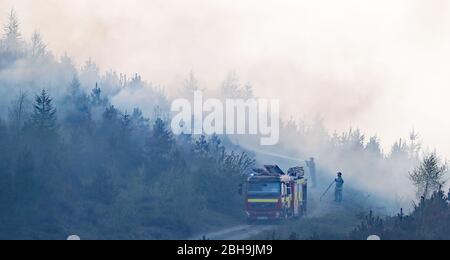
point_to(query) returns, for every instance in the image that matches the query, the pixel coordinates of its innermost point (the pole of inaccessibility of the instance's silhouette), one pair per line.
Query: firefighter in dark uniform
(339, 188)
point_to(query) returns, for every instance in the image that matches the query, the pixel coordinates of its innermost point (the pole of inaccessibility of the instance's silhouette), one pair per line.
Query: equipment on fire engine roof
(261, 171)
(274, 169)
(296, 172)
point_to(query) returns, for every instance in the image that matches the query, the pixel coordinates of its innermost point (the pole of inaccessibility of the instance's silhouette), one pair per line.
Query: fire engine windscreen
(259, 189)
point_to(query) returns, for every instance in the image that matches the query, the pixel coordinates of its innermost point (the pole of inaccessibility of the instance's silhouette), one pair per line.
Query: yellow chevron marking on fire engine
(263, 200)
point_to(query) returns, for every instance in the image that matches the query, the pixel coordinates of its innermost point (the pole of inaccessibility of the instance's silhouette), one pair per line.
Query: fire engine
(272, 194)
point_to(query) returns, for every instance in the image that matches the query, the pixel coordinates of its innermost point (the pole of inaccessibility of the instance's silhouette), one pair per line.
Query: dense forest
(71, 162)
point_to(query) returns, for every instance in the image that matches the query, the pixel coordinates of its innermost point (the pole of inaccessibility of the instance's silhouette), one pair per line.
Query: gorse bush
(428, 221)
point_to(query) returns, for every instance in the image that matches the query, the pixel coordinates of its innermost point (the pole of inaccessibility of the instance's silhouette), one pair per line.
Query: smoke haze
(382, 66)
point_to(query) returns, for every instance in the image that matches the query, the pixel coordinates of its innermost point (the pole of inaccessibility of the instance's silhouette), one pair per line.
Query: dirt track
(242, 232)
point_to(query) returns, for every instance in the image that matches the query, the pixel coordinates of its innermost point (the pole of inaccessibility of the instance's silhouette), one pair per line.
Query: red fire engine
(272, 194)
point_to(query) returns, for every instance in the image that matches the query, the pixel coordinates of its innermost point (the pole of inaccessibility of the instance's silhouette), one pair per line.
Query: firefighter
(312, 171)
(339, 188)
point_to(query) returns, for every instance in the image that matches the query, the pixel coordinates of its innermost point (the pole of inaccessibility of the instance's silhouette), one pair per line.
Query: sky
(382, 66)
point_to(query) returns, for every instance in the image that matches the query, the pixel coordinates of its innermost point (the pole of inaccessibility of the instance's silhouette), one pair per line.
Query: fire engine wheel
(302, 211)
(287, 214)
(291, 214)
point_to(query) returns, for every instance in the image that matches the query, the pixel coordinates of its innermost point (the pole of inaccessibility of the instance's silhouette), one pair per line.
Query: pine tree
(126, 122)
(19, 112)
(399, 151)
(111, 126)
(89, 73)
(215, 144)
(97, 98)
(202, 146)
(12, 27)
(373, 149)
(231, 87)
(162, 138)
(75, 87)
(111, 114)
(38, 47)
(78, 105)
(44, 115)
(12, 37)
(428, 177)
(190, 86)
(414, 146)
(138, 119)
(160, 148)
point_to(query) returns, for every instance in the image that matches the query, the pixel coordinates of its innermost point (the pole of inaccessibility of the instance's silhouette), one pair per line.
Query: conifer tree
(44, 114)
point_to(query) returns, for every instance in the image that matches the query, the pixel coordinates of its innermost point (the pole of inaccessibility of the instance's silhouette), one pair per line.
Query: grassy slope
(326, 220)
